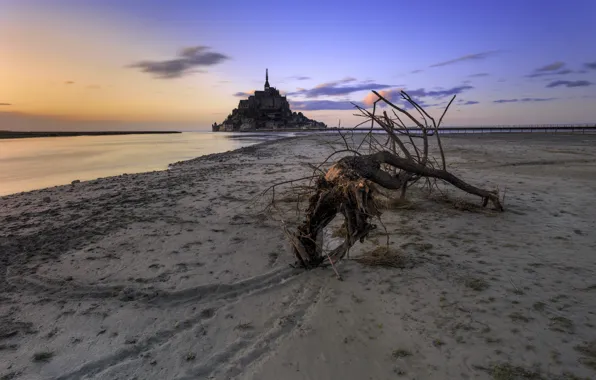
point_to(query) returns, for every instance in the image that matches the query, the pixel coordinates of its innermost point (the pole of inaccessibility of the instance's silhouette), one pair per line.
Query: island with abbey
(265, 110)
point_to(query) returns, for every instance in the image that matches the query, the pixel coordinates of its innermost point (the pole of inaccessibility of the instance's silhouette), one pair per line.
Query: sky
(182, 65)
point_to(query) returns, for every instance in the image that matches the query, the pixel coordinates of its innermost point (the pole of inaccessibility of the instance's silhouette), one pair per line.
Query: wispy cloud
(552, 73)
(300, 77)
(552, 69)
(5, 104)
(439, 93)
(187, 62)
(463, 102)
(590, 65)
(523, 100)
(68, 82)
(416, 71)
(567, 83)
(537, 99)
(469, 57)
(243, 94)
(340, 87)
(317, 105)
(395, 94)
(479, 75)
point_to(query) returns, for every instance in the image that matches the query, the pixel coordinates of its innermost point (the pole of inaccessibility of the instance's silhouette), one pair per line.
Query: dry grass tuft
(588, 350)
(382, 257)
(401, 353)
(43, 356)
(506, 371)
(476, 283)
(562, 324)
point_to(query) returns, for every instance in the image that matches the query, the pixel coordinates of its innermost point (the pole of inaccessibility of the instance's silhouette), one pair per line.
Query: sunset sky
(143, 64)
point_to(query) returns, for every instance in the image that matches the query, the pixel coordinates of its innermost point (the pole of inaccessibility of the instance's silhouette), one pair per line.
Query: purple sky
(181, 64)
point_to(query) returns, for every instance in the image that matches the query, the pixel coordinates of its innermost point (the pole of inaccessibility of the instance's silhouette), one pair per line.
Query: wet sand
(178, 275)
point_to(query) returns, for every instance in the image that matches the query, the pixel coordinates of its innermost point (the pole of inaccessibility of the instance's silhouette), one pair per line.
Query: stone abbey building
(265, 110)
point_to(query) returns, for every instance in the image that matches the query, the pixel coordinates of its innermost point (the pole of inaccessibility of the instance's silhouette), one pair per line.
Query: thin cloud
(416, 71)
(187, 62)
(590, 65)
(318, 105)
(395, 94)
(537, 99)
(550, 73)
(469, 57)
(68, 82)
(299, 77)
(341, 87)
(479, 75)
(551, 67)
(463, 102)
(523, 100)
(440, 93)
(5, 104)
(243, 94)
(567, 83)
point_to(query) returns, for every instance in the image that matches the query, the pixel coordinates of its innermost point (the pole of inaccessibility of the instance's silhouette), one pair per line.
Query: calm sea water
(36, 163)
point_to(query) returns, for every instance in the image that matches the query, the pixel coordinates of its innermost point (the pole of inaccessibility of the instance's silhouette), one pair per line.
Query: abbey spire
(266, 79)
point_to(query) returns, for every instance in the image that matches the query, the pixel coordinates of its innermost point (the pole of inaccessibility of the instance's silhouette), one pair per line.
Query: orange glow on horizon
(74, 66)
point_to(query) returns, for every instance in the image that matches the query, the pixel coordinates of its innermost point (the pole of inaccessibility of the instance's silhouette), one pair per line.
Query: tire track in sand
(247, 352)
(59, 289)
(224, 292)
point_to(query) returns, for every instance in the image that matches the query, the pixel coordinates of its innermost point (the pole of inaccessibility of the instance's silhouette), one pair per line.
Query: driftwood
(349, 186)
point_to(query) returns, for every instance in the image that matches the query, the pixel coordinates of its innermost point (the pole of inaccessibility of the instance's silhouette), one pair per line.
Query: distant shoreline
(554, 128)
(21, 135)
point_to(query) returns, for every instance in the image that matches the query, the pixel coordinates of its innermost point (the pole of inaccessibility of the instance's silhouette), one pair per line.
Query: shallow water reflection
(35, 163)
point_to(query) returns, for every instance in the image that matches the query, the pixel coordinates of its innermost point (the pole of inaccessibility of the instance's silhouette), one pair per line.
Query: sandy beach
(179, 275)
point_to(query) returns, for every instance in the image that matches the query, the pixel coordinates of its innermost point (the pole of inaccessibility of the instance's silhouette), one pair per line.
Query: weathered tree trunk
(348, 188)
